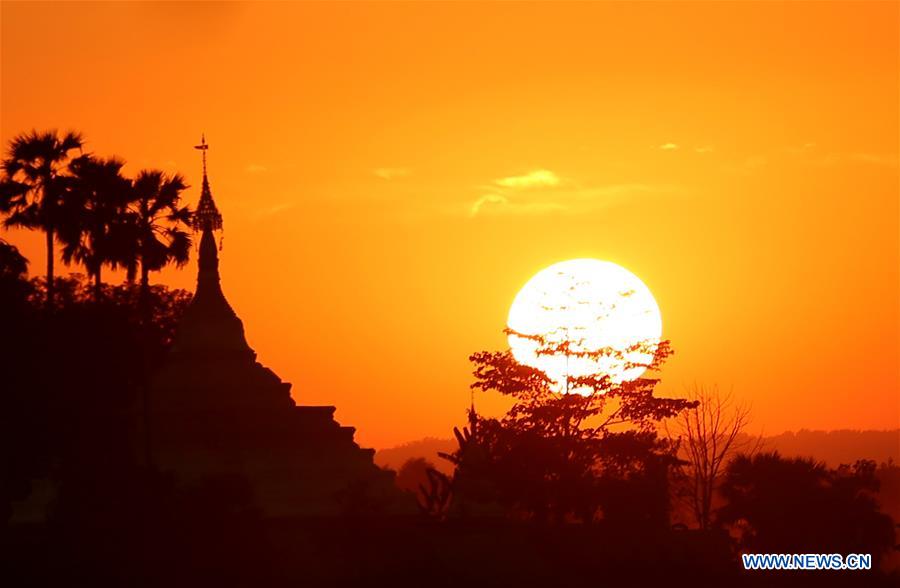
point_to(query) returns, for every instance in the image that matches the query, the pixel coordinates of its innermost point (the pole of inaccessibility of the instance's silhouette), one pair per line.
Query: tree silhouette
(412, 474)
(76, 414)
(158, 222)
(710, 435)
(13, 265)
(798, 505)
(430, 487)
(473, 488)
(96, 206)
(31, 189)
(554, 455)
(20, 449)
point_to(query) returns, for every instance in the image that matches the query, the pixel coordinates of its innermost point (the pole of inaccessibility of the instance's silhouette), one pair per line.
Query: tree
(558, 455)
(710, 434)
(412, 474)
(20, 455)
(157, 226)
(13, 265)
(431, 488)
(76, 414)
(797, 505)
(96, 204)
(31, 189)
(155, 238)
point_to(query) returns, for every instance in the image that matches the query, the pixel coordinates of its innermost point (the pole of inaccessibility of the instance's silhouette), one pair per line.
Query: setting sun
(594, 307)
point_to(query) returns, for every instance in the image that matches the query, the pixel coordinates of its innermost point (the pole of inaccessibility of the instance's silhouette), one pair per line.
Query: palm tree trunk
(98, 284)
(144, 300)
(49, 234)
(144, 309)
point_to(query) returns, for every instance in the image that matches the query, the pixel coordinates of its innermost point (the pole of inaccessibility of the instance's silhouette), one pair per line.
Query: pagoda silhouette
(214, 410)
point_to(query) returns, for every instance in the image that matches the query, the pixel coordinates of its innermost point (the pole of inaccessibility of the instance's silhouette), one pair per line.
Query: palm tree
(156, 238)
(30, 186)
(158, 222)
(96, 204)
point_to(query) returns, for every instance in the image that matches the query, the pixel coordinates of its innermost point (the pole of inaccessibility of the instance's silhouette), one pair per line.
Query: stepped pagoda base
(216, 411)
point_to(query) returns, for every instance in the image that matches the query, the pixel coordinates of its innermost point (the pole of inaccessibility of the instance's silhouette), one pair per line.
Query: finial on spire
(207, 216)
(203, 146)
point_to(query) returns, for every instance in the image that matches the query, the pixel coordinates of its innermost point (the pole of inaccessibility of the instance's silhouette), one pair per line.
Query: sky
(392, 174)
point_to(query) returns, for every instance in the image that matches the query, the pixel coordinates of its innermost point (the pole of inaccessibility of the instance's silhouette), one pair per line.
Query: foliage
(434, 498)
(158, 221)
(102, 218)
(81, 407)
(798, 505)
(95, 206)
(557, 456)
(13, 265)
(32, 189)
(32, 186)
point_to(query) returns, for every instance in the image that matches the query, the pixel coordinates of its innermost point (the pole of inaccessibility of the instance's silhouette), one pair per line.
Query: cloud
(876, 159)
(390, 173)
(669, 146)
(564, 200)
(485, 200)
(255, 168)
(889, 160)
(497, 204)
(539, 178)
(705, 149)
(809, 154)
(272, 210)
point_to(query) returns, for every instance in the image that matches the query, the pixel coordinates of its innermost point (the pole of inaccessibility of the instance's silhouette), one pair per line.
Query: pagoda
(215, 410)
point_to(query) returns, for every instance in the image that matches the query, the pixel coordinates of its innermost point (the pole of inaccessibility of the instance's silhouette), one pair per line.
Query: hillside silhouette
(832, 447)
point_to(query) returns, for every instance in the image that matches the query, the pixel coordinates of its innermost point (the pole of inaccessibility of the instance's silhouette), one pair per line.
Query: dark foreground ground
(250, 551)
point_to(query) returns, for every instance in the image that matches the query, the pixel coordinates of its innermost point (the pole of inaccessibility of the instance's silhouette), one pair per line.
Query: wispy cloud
(811, 154)
(677, 147)
(881, 159)
(573, 199)
(495, 204)
(485, 200)
(391, 173)
(272, 210)
(255, 168)
(539, 178)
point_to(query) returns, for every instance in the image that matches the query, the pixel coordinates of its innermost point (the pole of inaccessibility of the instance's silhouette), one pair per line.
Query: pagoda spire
(207, 216)
(207, 219)
(209, 326)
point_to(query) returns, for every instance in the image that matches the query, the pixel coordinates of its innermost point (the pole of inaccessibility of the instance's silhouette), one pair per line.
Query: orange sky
(740, 158)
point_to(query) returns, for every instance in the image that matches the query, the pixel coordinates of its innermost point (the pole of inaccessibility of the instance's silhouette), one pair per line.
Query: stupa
(215, 410)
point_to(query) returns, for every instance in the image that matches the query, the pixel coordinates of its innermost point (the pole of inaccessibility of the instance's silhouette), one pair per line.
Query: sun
(592, 304)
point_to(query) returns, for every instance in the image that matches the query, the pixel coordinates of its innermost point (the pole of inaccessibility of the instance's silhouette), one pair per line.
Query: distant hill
(837, 447)
(428, 448)
(832, 447)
